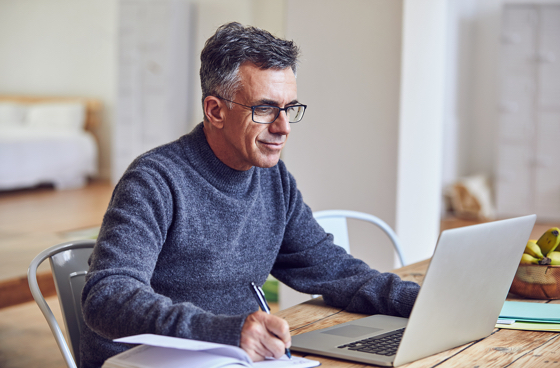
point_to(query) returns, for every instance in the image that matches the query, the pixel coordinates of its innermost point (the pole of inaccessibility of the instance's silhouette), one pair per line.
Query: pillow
(63, 116)
(12, 114)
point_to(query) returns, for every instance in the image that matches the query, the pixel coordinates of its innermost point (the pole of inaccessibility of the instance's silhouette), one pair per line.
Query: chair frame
(70, 352)
(345, 214)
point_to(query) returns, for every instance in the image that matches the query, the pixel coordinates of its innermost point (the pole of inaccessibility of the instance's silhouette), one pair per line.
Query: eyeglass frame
(280, 109)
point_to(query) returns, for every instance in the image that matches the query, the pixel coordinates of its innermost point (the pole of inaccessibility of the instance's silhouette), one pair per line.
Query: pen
(259, 295)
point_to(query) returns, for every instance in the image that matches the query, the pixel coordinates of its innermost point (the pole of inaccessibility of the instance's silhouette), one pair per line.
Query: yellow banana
(549, 240)
(554, 258)
(533, 249)
(528, 259)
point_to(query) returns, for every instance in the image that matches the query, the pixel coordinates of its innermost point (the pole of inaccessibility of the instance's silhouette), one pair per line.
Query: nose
(281, 125)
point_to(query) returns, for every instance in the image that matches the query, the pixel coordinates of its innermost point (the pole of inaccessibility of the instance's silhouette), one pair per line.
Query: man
(192, 223)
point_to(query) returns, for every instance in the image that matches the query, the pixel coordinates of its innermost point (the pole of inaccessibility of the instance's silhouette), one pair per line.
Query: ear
(215, 111)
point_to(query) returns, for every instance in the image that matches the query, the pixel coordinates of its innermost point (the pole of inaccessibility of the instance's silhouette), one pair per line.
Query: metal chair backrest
(69, 265)
(335, 222)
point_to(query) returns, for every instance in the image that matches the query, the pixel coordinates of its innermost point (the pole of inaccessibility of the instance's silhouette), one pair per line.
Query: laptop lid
(460, 300)
(465, 286)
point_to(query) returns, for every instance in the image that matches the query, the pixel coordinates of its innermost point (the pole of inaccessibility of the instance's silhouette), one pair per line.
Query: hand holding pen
(261, 300)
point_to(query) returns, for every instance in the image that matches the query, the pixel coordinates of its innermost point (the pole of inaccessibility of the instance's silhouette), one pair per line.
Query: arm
(310, 262)
(118, 299)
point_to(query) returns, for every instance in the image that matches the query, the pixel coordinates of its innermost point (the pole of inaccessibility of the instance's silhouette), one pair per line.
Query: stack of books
(530, 316)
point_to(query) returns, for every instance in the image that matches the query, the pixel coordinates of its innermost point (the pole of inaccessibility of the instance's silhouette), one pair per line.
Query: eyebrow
(266, 101)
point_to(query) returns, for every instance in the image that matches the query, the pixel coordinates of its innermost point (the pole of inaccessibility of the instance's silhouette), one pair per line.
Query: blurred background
(417, 111)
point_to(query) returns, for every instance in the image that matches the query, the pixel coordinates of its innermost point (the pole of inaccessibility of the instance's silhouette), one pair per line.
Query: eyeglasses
(267, 114)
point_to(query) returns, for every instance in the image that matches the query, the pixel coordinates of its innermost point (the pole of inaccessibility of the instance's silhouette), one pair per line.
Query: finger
(276, 326)
(253, 334)
(253, 349)
(257, 352)
(273, 346)
(258, 340)
(264, 352)
(279, 328)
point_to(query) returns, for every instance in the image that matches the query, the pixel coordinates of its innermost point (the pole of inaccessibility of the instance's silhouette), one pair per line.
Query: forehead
(271, 84)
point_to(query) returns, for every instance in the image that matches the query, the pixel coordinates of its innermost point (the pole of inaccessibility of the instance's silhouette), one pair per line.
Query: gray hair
(230, 47)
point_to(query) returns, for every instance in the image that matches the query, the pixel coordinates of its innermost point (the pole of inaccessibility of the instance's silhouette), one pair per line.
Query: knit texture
(184, 236)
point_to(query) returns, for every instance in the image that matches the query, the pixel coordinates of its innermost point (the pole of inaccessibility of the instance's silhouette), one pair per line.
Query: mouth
(272, 145)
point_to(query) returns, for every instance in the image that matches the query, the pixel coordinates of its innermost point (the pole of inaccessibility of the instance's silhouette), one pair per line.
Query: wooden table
(503, 348)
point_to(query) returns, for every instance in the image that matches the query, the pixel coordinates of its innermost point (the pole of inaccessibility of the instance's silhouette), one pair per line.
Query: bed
(47, 140)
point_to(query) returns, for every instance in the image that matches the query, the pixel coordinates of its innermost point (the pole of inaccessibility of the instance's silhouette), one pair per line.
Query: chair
(69, 265)
(334, 222)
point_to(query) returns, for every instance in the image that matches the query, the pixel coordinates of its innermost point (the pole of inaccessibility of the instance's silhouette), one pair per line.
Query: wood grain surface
(503, 348)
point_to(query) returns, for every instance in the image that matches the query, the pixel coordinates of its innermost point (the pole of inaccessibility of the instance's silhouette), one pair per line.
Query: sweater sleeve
(118, 299)
(311, 263)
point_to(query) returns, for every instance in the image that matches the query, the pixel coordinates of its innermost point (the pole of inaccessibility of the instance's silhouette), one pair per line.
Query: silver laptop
(460, 300)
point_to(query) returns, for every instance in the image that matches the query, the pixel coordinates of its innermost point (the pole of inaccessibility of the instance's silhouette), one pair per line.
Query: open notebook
(172, 352)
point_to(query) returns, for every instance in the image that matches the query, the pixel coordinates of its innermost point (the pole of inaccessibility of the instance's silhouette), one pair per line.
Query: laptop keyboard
(382, 345)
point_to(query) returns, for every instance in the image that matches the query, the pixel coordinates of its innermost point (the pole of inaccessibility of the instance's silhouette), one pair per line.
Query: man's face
(253, 144)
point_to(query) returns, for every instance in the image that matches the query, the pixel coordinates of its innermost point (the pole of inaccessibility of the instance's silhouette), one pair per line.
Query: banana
(533, 249)
(549, 240)
(528, 259)
(554, 258)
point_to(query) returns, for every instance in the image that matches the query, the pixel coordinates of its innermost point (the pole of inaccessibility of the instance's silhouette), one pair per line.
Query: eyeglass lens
(268, 114)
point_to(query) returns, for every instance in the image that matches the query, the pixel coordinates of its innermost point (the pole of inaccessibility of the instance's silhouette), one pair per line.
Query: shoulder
(167, 152)
(173, 155)
(167, 161)
(153, 174)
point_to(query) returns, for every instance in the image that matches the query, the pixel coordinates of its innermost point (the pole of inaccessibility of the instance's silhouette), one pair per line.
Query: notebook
(460, 300)
(531, 316)
(159, 351)
(531, 312)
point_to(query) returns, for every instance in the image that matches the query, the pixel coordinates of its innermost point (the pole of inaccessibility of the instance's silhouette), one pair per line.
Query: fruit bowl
(537, 281)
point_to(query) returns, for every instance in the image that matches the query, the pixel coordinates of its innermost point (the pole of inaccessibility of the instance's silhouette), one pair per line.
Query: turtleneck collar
(205, 162)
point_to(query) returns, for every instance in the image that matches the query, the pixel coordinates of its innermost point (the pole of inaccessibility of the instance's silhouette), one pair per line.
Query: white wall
(457, 137)
(344, 153)
(486, 46)
(471, 75)
(371, 137)
(155, 41)
(422, 99)
(483, 123)
(471, 116)
(61, 47)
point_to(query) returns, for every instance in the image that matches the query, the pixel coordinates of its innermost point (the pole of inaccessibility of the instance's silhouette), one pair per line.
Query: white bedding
(30, 156)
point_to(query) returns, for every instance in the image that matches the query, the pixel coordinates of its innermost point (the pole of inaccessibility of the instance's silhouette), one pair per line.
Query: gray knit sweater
(184, 236)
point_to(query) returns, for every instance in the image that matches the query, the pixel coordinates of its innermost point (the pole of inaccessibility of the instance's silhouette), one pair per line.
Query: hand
(265, 336)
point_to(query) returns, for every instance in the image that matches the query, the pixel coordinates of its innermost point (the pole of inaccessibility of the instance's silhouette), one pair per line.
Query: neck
(219, 145)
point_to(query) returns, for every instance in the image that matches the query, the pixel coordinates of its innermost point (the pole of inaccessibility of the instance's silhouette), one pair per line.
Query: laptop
(460, 300)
